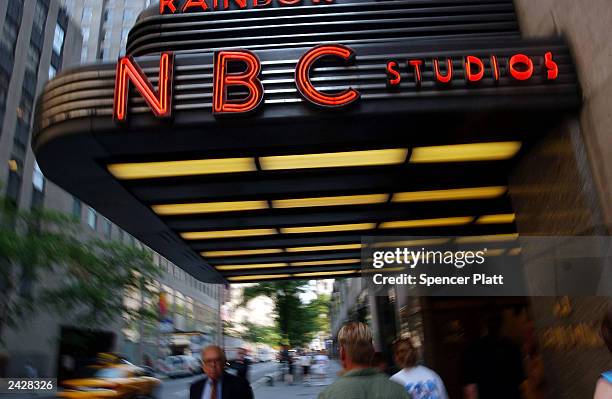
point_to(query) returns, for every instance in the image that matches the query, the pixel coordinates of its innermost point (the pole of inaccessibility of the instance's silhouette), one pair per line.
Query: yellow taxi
(111, 381)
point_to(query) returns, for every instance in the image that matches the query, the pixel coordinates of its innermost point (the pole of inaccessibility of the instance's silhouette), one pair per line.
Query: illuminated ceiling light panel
(208, 207)
(335, 159)
(466, 152)
(326, 262)
(149, 170)
(258, 277)
(495, 252)
(331, 201)
(316, 274)
(500, 218)
(515, 251)
(205, 235)
(240, 252)
(452, 221)
(487, 238)
(328, 228)
(339, 247)
(451, 194)
(252, 266)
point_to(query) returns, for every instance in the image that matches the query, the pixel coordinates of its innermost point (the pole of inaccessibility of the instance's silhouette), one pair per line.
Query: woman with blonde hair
(419, 381)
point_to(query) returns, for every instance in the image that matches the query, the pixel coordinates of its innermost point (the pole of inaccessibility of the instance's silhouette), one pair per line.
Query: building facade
(105, 25)
(39, 39)
(294, 187)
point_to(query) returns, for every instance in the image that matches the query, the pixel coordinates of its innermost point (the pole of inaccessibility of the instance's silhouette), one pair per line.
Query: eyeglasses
(210, 362)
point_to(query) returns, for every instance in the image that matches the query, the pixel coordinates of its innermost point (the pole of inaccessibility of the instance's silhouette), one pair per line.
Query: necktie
(213, 391)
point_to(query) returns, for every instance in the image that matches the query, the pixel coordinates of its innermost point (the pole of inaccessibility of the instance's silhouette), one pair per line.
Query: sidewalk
(281, 390)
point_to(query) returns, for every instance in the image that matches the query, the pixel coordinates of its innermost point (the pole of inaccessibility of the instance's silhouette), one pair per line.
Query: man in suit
(218, 384)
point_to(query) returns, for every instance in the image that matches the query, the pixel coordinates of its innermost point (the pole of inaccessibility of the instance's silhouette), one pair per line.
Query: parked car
(117, 381)
(177, 366)
(194, 363)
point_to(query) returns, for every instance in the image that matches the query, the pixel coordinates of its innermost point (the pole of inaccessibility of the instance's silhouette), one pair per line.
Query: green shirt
(364, 384)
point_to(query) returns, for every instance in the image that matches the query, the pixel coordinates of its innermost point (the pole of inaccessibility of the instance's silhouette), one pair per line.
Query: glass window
(58, 39)
(76, 208)
(85, 33)
(108, 16)
(38, 180)
(83, 54)
(52, 72)
(87, 14)
(129, 15)
(107, 228)
(91, 217)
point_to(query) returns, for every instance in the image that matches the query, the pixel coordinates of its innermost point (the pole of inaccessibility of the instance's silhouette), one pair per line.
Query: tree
(295, 320)
(84, 278)
(256, 333)
(320, 308)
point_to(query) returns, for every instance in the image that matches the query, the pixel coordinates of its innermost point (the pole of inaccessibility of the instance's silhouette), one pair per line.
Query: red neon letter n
(128, 70)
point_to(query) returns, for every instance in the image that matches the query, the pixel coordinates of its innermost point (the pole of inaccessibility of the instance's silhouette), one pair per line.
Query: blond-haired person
(419, 381)
(359, 380)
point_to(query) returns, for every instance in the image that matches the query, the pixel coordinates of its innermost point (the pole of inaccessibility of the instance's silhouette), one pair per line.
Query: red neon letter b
(249, 79)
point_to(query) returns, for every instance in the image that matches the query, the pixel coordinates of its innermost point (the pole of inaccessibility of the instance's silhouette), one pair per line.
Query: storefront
(260, 141)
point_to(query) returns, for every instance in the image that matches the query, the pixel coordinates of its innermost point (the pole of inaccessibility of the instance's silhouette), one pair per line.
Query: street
(179, 388)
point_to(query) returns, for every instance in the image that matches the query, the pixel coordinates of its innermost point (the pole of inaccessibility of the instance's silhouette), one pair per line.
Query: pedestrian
(359, 380)
(218, 384)
(603, 390)
(493, 365)
(419, 381)
(305, 361)
(242, 364)
(321, 361)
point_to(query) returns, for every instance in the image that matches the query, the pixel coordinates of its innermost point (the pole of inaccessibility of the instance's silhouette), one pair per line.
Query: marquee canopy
(288, 191)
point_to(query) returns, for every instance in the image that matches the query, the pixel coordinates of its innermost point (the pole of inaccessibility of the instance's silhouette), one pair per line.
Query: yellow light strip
(466, 152)
(500, 218)
(328, 228)
(495, 252)
(251, 266)
(325, 248)
(317, 274)
(208, 207)
(205, 235)
(487, 238)
(258, 277)
(331, 201)
(452, 221)
(515, 251)
(451, 194)
(240, 252)
(326, 262)
(335, 159)
(149, 170)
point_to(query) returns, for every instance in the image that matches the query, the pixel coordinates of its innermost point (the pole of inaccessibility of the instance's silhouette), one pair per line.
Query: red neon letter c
(305, 86)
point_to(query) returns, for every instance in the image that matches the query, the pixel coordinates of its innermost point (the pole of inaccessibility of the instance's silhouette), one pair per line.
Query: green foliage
(256, 333)
(47, 264)
(297, 322)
